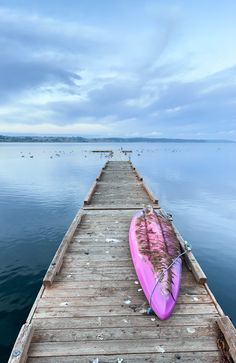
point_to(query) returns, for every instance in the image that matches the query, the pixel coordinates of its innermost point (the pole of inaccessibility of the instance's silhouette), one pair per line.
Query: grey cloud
(37, 32)
(19, 76)
(38, 52)
(180, 106)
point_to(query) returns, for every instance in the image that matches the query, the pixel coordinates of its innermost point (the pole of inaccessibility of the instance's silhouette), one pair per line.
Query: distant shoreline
(78, 139)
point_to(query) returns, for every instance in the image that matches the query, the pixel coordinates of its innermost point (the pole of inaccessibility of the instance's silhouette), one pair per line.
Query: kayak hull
(155, 253)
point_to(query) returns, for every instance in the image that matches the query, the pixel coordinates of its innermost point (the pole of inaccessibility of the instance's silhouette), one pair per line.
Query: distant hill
(51, 139)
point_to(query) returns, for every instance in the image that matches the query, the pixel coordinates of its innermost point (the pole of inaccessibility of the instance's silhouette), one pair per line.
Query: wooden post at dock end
(56, 263)
(19, 352)
(229, 332)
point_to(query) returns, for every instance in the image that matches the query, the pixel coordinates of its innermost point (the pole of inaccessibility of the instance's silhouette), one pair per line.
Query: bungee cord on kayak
(149, 310)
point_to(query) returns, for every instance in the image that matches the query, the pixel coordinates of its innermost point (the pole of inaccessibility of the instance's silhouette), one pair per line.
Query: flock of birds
(56, 154)
(107, 154)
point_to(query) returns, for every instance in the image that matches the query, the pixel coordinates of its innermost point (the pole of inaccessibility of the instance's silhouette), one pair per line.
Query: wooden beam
(229, 333)
(19, 352)
(38, 297)
(100, 175)
(150, 193)
(218, 307)
(129, 207)
(191, 260)
(106, 164)
(145, 187)
(189, 256)
(102, 151)
(56, 263)
(137, 174)
(91, 191)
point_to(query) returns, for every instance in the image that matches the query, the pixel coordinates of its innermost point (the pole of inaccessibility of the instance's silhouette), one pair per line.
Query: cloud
(19, 76)
(38, 51)
(62, 75)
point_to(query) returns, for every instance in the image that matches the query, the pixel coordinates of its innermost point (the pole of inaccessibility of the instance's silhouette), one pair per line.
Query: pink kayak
(157, 260)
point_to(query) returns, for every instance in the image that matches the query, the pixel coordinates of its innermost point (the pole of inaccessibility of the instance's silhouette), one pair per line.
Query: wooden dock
(91, 307)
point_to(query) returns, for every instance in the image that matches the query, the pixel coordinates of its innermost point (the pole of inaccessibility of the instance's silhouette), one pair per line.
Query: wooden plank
(141, 321)
(20, 350)
(183, 357)
(65, 290)
(74, 267)
(106, 282)
(56, 263)
(75, 312)
(70, 258)
(122, 347)
(75, 335)
(112, 207)
(114, 300)
(187, 279)
(90, 257)
(229, 333)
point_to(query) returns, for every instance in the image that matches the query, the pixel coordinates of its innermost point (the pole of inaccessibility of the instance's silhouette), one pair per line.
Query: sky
(126, 68)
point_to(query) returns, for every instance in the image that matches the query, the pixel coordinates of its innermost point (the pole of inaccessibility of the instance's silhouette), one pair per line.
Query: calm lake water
(40, 195)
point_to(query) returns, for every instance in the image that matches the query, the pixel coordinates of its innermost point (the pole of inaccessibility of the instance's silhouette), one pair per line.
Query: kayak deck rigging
(91, 307)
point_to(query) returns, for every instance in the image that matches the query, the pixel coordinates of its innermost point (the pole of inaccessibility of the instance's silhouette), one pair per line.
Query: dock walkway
(91, 307)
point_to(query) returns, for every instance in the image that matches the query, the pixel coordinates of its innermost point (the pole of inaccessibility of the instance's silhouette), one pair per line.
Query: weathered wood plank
(106, 276)
(124, 284)
(183, 357)
(141, 321)
(65, 290)
(123, 346)
(102, 207)
(74, 335)
(94, 263)
(100, 269)
(94, 257)
(113, 299)
(73, 312)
